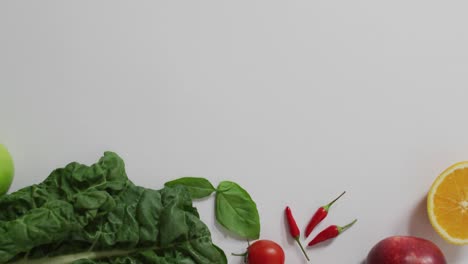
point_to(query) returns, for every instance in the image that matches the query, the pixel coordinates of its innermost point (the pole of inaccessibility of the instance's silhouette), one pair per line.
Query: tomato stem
(244, 255)
(239, 255)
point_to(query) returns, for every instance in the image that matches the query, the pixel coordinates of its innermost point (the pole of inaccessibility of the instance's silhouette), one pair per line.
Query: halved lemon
(447, 204)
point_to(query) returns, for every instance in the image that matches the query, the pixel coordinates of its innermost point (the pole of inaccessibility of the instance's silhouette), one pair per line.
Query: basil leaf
(197, 187)
(236, 211)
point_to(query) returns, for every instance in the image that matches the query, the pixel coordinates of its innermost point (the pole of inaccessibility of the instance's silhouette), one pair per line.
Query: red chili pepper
(294, 230)
(330, 232)
(319, 215)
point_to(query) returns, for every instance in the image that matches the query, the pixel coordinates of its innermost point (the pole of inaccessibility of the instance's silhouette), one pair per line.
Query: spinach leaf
(94, 215)
(197, 187)
(236, 211)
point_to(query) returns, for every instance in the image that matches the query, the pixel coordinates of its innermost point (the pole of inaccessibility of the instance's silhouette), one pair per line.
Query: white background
(294, 100)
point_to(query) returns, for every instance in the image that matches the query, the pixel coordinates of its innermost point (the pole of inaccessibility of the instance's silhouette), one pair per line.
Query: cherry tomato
(265, 252)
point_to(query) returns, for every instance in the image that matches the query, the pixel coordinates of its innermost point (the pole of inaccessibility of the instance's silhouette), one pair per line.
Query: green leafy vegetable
(94, 215)
(197, 187)
(236, 211)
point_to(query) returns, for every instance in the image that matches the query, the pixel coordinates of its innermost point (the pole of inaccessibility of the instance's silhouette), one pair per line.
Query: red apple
(405, 250)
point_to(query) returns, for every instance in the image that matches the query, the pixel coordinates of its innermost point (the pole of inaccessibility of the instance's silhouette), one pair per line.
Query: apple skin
(7, 170)
(405, 250)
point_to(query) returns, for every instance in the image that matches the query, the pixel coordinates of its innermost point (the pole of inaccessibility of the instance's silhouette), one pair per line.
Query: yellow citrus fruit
(447, 204)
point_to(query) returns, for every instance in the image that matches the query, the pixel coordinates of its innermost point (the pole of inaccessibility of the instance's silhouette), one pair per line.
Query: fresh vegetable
(94, 215)
(319, 215)
(6, 170)
(235, 210)
(447, 204)
(405, 250)
(197, 187)
(264, 252)
(294, 230)
(330, 232)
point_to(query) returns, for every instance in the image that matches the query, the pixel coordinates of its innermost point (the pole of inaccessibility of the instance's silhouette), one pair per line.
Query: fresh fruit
(405, 250)
(330, 232)
(6, 170)
(447, 204)
(294, 230)
(265, 252)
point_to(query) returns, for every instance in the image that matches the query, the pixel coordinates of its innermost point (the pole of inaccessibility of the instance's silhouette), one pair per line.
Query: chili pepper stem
(326, 207)
(343, 228)
(302, 248)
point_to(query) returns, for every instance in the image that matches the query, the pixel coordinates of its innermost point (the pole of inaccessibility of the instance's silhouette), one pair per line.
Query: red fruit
(405, 250)
(265, 252)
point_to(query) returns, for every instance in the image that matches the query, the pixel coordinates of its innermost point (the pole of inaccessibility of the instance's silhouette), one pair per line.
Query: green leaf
(197, 187)
(223, 259)
(95, 215)
(236, 211)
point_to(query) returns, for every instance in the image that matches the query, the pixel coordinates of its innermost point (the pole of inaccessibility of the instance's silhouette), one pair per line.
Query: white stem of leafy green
(65, 259)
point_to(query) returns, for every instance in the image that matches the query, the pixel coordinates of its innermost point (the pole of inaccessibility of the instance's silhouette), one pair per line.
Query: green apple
(7, 170)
